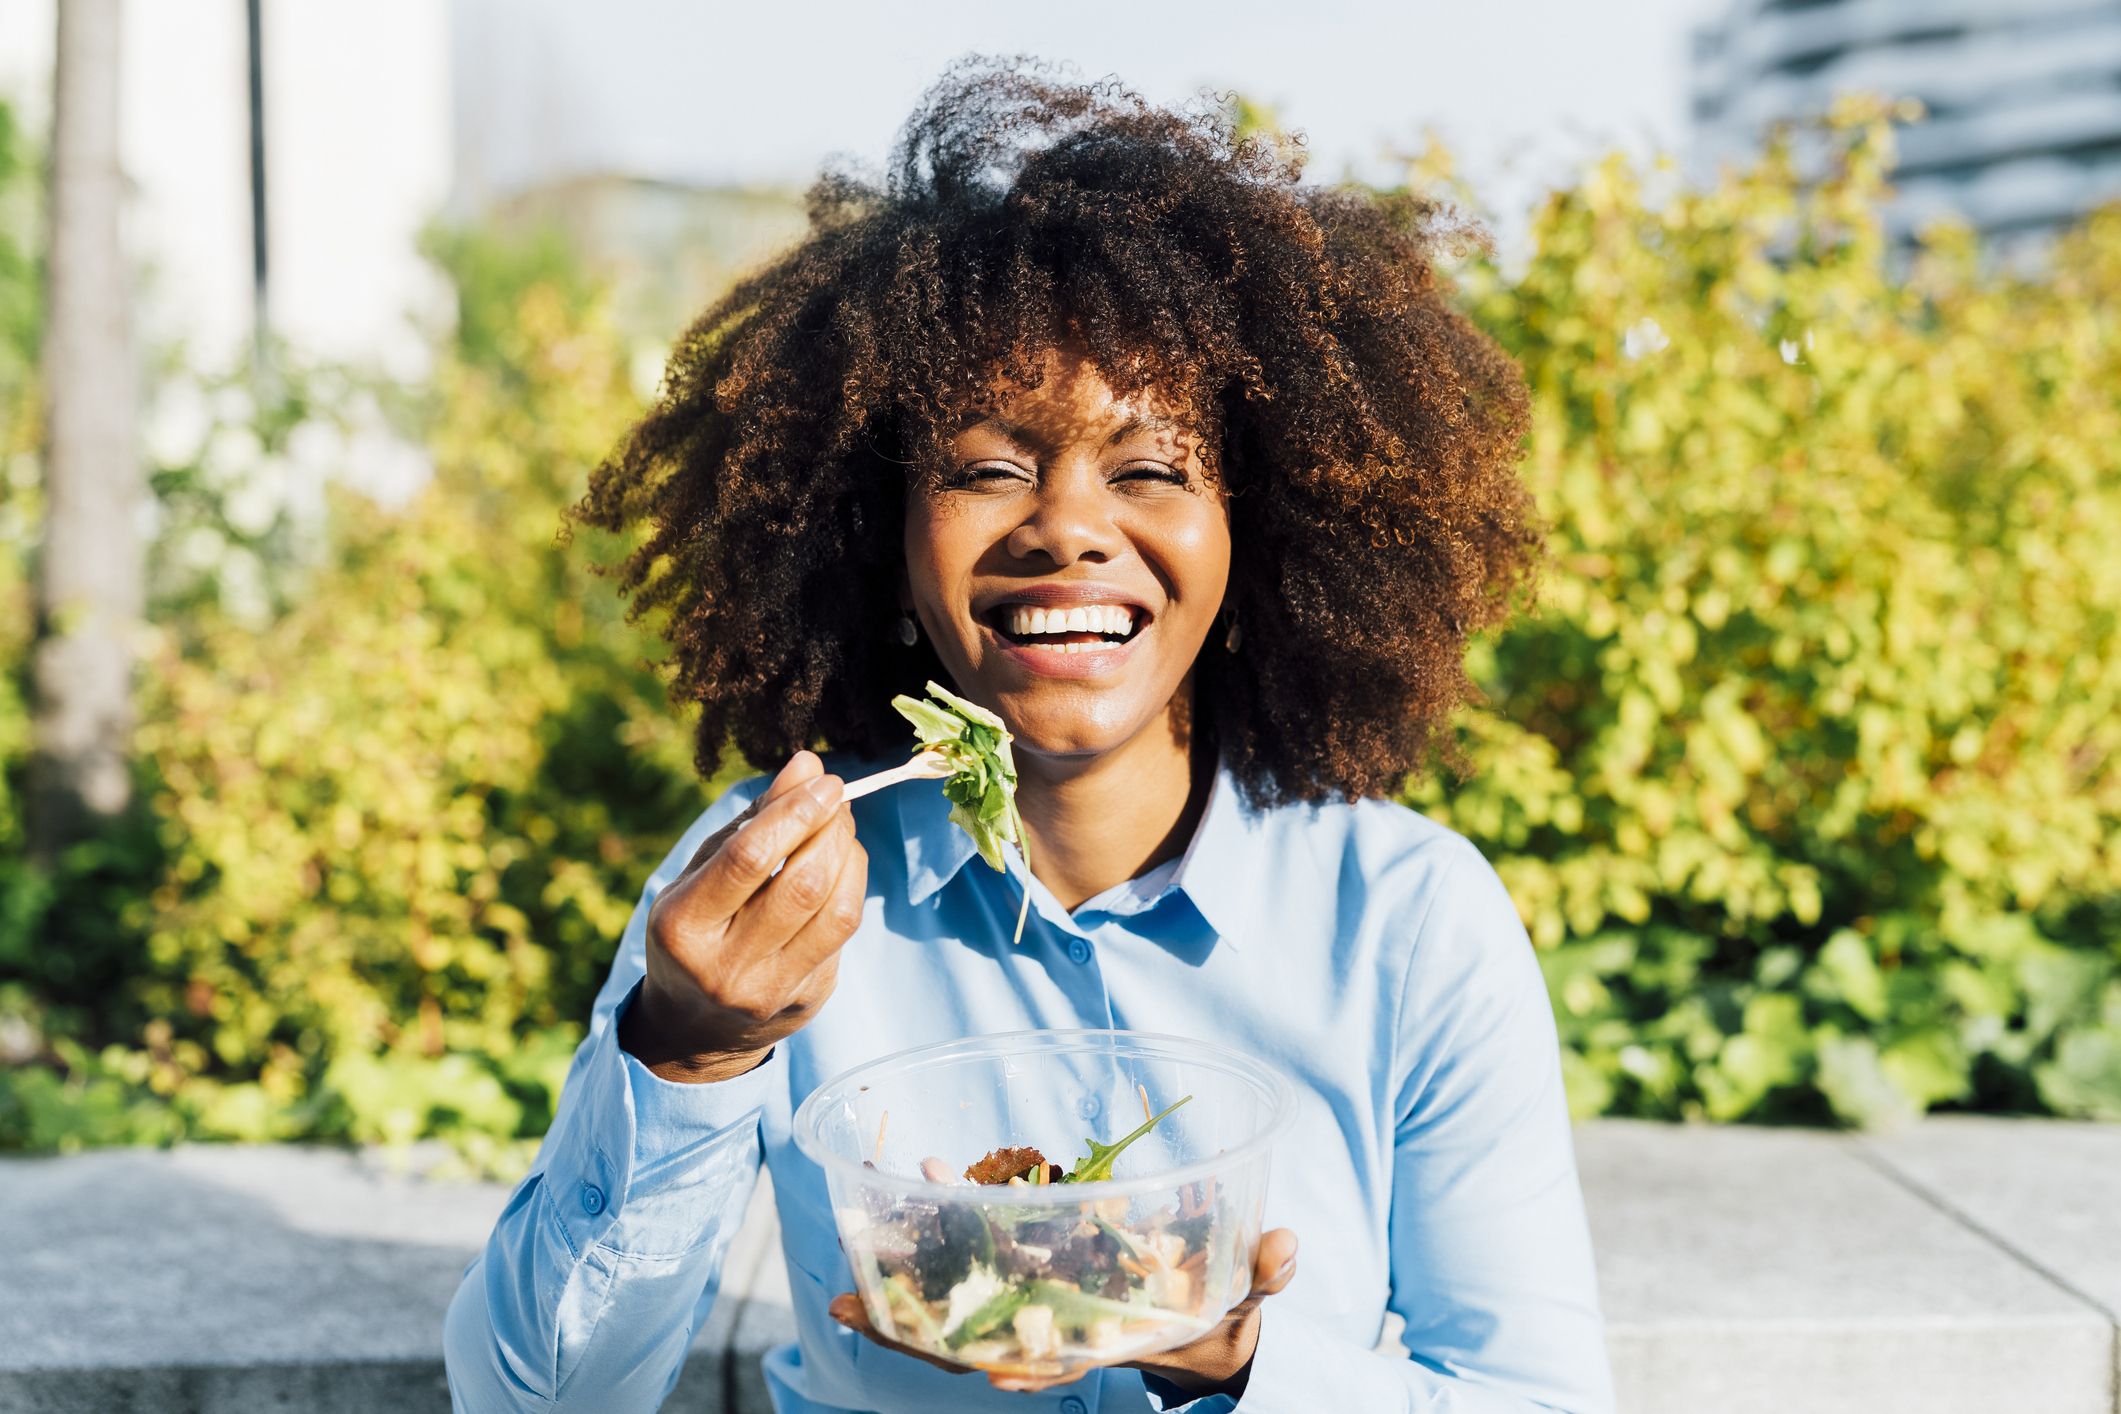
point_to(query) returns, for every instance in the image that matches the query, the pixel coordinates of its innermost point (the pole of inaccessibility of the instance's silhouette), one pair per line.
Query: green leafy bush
(1804, 774)
(393, 832)
(1807, 777)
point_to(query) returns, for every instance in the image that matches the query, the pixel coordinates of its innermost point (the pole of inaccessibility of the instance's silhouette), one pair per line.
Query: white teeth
(1024, 621)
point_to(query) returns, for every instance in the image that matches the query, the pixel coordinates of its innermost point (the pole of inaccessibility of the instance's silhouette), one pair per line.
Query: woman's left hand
(1212, 1364)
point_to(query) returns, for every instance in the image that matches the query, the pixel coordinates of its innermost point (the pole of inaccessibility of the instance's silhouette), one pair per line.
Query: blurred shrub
(396, 828)
(1807, 776)
(1804, 775)
(22, 892)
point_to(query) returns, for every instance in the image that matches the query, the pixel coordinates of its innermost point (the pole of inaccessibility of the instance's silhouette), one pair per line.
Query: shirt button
(1072, 1405)
(1078, 951)
(592, 1199)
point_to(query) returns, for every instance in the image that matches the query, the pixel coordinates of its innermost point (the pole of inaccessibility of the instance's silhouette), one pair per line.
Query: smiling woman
(1275, 355)
(1190, 475)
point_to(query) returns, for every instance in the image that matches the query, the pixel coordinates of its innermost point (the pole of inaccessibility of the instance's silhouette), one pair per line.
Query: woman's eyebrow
(1150, 422)
(1026, 437)
(1015, 432)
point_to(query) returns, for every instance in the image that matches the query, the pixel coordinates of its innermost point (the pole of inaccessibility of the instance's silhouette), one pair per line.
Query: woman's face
(1068, 558)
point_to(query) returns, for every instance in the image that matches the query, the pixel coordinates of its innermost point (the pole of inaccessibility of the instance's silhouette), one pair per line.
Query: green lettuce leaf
(981, 788)
(1099, 1164)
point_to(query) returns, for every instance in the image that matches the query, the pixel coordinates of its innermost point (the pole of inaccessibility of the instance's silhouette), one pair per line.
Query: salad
(967, 748)
(1038, 1289)
(1045, 1286)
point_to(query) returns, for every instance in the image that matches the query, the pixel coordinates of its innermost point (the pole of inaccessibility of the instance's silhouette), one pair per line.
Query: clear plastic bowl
(1044, 1280)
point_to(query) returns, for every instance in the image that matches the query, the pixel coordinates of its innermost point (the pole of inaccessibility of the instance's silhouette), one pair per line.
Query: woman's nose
(1068, 523)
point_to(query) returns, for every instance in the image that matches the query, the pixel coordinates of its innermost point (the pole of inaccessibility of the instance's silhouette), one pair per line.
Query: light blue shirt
(1369, 952)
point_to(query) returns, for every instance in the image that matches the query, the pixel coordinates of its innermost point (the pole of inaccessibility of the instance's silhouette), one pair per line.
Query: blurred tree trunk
(91, 575)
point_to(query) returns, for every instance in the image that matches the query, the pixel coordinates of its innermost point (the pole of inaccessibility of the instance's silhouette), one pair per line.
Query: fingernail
(826, 789)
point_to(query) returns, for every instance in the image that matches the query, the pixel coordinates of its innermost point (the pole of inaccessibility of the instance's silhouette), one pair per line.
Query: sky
(712, 92)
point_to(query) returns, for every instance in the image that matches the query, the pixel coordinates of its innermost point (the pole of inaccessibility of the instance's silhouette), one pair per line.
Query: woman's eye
(989, 474)
(1152, 472)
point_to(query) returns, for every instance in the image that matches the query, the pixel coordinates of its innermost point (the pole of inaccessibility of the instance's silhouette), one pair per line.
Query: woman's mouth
(1075, 641)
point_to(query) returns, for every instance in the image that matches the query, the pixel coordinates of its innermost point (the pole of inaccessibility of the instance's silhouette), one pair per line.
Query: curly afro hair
(1366, 433)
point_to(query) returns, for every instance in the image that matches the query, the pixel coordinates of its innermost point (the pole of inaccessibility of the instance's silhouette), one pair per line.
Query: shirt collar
(1218, 875)
(1222, 869)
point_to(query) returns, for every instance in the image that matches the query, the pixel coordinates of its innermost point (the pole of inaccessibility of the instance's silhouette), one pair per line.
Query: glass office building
(2023, 97)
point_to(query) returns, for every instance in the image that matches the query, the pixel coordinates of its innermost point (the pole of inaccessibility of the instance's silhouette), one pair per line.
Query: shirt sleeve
(1490, 1252)
(608, 1255)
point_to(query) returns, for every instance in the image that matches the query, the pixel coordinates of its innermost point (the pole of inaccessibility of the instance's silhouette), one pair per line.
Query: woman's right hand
(739, 955)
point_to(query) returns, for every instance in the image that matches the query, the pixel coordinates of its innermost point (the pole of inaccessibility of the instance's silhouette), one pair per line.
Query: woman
(1075, 353)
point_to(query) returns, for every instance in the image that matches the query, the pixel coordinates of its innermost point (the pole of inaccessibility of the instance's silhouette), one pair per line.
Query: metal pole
(261, 322)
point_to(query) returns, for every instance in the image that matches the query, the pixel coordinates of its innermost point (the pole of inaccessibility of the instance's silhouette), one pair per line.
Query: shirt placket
(1082, 976)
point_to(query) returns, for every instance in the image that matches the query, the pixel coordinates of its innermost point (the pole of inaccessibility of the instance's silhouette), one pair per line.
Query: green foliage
(1805, 776)
(21, 273)
(398, 827)
(24, 893)
(230, 463)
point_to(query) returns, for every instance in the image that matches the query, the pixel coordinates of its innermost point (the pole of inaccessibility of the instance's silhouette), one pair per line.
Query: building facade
(2022, 97)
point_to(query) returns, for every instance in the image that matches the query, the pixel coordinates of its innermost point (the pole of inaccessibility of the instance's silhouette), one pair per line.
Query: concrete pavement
(1962, 1264)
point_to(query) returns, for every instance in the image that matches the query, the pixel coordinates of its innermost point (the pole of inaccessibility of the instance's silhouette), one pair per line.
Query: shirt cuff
(629, 1153)
(1170, 1399)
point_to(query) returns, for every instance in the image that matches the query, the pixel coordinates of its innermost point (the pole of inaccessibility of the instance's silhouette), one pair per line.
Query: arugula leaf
(1076, 1308)
(1099, 1164)
(1071, 1307)
(996, 1313)
(1117, 1236)
(906, 1306)
(981, 788)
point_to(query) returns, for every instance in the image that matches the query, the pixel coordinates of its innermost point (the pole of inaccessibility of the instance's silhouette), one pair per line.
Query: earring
(906, 632)
(1236, 636)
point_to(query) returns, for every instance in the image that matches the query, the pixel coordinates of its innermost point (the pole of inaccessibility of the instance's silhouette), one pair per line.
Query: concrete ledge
(1767, 1270)
(1963, 1264)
